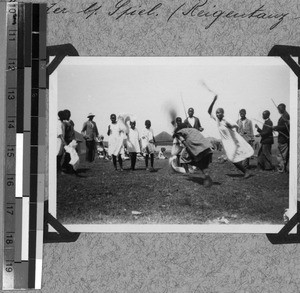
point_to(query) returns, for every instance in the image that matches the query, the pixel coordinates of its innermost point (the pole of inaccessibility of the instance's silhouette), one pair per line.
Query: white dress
(235, 146)
(71, 149)
(116, 140)
(147, 146)
(133, 141)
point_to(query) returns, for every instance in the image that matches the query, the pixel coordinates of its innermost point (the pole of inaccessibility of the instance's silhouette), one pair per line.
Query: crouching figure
(191, 148)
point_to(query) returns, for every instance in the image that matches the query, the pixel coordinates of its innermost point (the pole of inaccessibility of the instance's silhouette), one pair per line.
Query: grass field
(105, 196)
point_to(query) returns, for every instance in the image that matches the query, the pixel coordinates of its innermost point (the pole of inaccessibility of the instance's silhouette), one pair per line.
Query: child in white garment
(148, 144)
(133, 144)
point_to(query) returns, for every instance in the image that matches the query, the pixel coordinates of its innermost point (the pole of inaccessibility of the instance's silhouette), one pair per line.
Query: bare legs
(133, 160)
(207, 182)
(241, 167)
(151, 160)
(119, 160)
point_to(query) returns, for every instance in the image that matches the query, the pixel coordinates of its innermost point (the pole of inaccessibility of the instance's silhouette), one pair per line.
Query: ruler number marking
(11, 123)
(10, 181)
(9, 238)
(9, 266)
(12, 64)
(11, 95)
(10, 151)
(10, 209)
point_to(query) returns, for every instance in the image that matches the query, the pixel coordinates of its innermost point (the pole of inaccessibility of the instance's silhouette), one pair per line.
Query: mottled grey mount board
(171, 262)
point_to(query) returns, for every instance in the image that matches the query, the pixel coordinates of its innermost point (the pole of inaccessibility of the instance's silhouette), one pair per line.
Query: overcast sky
(149, 87)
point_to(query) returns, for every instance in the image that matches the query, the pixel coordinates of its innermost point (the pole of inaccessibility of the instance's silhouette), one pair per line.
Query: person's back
(194, 140)
(69, 131)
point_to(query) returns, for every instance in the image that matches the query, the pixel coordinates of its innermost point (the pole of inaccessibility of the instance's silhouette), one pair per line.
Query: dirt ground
(102, 195)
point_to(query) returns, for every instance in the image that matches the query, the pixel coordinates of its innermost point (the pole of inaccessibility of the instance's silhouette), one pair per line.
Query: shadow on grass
(82, 170)
(143, 169)
(239, 176)
(235, 175)
(154, 170)
(80, 176)
(200, 180)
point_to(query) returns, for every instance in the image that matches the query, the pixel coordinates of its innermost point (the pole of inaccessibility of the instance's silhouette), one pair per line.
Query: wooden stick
(271, 127)
(183, 105)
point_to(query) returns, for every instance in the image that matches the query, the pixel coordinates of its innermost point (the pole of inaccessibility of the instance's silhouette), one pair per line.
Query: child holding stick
(236, 148)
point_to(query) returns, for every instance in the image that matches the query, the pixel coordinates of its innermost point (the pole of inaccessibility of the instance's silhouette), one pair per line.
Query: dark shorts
(202, 160)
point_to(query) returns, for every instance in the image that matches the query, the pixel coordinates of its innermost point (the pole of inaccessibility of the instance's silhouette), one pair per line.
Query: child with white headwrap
(133, 142)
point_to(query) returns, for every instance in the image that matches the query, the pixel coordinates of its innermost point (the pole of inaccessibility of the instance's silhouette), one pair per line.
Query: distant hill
(164, 138)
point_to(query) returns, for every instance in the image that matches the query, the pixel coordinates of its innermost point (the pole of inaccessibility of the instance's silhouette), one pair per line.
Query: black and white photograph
(173, 144)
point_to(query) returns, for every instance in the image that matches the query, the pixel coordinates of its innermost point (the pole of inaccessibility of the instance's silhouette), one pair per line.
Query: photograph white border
(172, 228)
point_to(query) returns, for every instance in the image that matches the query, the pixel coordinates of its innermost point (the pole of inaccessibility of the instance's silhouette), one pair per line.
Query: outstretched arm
(231, 126)
(258, 128)
(212, 105)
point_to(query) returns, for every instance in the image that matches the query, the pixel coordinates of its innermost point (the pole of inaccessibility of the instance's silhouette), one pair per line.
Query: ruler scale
(25, 149)
(42, 84)
(22, 206)
(27, 127)
(10, 151)
(32, 220)
(34, 144)
(19, 141)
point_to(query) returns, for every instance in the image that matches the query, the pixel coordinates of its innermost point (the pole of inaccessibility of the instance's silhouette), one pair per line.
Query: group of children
(121, 136)
(195, 148)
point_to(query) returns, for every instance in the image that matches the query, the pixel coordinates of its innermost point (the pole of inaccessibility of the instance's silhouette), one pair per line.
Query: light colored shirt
(90, 130)
(116, 140)
(245, 129)
(191, 121)
(133, 141)
(147, 136)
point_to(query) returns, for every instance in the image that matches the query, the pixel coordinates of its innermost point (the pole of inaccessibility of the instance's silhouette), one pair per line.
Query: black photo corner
(59, 52)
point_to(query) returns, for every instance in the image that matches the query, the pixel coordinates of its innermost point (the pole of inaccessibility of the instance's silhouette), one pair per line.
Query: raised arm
(212, 105)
